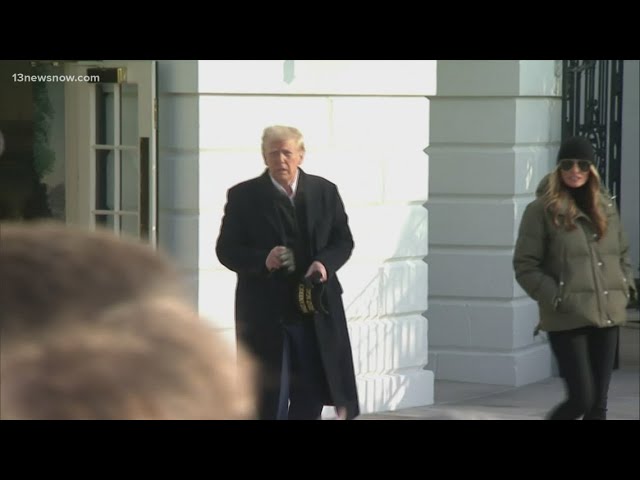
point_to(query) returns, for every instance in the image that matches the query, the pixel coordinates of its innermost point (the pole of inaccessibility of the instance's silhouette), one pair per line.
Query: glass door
(114, 124)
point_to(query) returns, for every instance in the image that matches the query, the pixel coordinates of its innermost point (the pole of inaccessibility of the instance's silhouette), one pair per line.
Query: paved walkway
(473, 401)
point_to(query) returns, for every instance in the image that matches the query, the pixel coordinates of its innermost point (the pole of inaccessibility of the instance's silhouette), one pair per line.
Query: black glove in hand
(288, 260)
(315, 278)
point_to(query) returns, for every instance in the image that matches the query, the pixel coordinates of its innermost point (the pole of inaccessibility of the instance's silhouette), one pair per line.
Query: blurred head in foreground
(49, 271)
(95, 327)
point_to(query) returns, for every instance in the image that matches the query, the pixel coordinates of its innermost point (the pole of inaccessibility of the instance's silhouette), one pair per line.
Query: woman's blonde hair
(557, 194)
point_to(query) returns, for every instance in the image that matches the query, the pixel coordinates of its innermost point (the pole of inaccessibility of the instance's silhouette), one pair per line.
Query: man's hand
(273, 261)
(280, 257)
(287, 260)
(317, 267)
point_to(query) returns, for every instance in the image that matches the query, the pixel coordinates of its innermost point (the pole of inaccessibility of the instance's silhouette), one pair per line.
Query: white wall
(366, 128)
(317, 77)
(178, 167)
(495, 127)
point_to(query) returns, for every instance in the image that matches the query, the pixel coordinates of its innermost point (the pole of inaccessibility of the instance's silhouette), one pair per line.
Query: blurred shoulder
(536, 205)
(535, 211)
(245, 186)
(320, 182)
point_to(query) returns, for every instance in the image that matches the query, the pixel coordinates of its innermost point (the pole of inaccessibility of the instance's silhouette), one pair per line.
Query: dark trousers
(303, 385)
(585, 360)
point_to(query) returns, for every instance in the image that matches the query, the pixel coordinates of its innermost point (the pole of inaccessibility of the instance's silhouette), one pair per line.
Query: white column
(178, 154)
(495, 128)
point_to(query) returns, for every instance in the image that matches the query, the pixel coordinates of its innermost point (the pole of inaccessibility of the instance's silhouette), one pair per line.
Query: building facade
(435, 161)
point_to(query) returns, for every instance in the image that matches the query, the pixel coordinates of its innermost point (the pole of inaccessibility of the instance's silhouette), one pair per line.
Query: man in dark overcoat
(277, 229)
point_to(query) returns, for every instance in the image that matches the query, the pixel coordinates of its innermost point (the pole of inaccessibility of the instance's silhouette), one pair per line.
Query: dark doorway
(32, 124)
(592, 107)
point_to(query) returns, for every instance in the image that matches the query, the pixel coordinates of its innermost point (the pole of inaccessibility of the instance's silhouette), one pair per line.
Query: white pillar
(178, 156)
(495, 128)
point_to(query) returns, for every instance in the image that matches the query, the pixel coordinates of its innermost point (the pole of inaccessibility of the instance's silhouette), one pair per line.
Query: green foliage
(43, 156)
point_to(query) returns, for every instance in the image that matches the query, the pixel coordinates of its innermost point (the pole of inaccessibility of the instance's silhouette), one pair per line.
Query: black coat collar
(306, 187)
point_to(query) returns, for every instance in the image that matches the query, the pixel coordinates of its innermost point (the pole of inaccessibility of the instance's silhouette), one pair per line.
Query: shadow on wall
(386, 319)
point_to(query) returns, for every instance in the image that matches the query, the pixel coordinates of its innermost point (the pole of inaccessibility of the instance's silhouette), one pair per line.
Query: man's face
(283, 157)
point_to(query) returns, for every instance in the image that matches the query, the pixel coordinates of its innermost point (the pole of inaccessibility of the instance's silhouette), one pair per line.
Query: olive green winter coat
(577, 279)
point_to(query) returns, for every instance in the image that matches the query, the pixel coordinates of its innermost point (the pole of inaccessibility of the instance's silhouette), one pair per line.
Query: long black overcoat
(250, 229)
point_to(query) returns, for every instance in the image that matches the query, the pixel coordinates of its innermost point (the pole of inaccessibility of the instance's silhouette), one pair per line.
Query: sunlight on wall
(529, 176)
(372, 148)
(326, 77)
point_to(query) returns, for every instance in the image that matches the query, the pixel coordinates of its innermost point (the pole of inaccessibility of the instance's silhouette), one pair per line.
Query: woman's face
(574, 173)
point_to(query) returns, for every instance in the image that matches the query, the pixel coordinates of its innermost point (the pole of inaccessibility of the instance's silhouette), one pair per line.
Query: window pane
(104, 114)
(129, 178)
(104, 179)
(129, 225)
(129, 115)
(105, 221)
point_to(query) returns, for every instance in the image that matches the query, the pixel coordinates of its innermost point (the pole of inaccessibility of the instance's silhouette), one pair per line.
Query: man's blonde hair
(282, 133)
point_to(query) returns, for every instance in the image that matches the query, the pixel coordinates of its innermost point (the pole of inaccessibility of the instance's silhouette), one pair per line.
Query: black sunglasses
(567, 165)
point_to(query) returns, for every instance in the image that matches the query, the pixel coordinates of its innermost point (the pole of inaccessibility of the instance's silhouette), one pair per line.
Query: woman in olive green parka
(571, 257)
